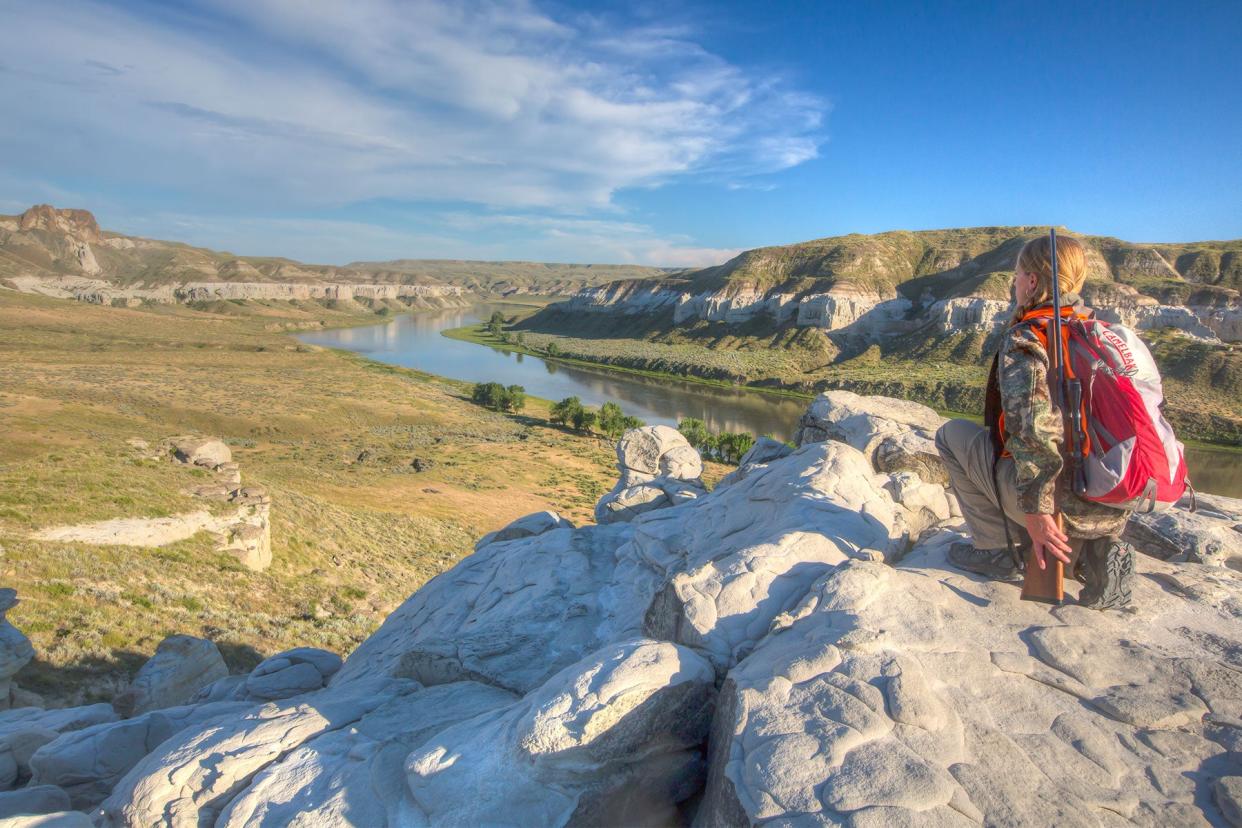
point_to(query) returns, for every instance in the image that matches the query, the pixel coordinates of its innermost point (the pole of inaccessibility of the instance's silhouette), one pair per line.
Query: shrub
(497, 397)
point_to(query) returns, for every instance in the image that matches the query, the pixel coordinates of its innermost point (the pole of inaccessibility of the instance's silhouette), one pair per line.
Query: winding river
(414, 341)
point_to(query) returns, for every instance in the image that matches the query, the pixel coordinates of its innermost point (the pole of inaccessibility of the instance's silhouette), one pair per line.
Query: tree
(733, 446)
(563, 411)
(495, 324)
(584, 420)
(521, 338)
(610, 416)
(552, 349)
(628, 422)
(515, 399)
(694, 430)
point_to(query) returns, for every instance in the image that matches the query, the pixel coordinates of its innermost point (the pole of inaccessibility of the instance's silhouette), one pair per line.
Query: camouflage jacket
(1034, 435)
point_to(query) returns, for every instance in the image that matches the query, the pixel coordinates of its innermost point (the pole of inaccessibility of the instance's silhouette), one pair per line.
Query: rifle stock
(1045, 585)
(1048, 584)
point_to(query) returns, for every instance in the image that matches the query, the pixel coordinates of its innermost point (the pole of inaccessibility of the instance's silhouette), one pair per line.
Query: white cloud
(281, 103)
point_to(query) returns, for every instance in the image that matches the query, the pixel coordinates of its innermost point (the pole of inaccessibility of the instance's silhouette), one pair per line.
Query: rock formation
(244, 533)
(788, 649)
(15, 648)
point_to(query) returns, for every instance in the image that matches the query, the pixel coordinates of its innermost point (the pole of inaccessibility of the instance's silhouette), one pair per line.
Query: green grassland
(351, 537)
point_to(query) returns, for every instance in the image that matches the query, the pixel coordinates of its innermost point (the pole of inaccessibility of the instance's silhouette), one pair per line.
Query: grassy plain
(355, 529)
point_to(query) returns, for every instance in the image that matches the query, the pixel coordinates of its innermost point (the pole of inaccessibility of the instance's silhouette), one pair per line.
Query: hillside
(909, 314)
(64, 252)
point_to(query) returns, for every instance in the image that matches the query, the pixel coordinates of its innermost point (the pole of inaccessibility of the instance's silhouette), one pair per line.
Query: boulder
(35, 799)
(736, 560)
(1228, 795)
(764, 451)
(15, 649)
(511, 615)
(87, 763)
(182, 665)
(208, 452)
(525, 527)
(24, 731)
(250, 541)
(613, 739)
(658, 468)
(291, 673)
(919, 695)
(1207, 536)
(191, 777)
(59, 819)
(895, 435)
(368, 756)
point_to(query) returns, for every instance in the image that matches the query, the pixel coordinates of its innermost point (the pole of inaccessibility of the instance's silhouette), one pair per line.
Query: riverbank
(944, 386)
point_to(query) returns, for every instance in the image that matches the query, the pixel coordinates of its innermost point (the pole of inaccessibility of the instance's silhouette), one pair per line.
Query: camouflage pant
(967, 452)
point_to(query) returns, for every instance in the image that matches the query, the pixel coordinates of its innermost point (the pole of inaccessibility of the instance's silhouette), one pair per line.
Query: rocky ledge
(787, 649)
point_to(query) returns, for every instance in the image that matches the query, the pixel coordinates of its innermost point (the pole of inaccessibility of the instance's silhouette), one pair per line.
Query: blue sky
(659, 133)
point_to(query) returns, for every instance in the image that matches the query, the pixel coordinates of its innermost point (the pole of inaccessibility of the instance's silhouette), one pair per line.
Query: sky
(663, 133)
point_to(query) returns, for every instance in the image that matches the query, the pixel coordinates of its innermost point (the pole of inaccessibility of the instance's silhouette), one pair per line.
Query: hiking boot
(996, 564)
(1107, 573)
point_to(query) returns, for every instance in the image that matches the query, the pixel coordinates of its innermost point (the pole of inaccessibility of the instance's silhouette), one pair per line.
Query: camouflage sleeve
(1034, 429)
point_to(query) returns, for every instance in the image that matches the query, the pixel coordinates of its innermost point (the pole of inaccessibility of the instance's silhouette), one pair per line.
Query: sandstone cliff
(64, 253)
(892, 283)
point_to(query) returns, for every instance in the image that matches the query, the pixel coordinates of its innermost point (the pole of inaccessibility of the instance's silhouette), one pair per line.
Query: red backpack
(1130, 456)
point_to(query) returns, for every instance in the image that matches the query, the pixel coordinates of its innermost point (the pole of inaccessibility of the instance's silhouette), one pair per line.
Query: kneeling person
(1010, 470)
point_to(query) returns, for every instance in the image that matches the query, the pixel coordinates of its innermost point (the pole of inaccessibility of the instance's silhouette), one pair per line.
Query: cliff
(60, 252)
(892, 283)
(790, 648)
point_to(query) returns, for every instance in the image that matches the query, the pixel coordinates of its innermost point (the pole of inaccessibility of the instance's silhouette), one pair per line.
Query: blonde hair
(1036, 258)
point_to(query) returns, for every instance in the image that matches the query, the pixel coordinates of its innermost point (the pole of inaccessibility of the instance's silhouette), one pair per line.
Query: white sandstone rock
(895, 435)
(58, 819)
(741, 557)
(658, 468)
(201, 451)
(764, 451)
(1206, 537)
(919, 695)
(369, 756)
(193, 776)
(182, 665)
(525, 527)
(15, 649)
(34, 799)
(291, 673)
(612, 739)
(88, 762)
(512, 614)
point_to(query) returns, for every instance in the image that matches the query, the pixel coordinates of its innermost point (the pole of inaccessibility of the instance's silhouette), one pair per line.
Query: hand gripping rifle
(1048, 585)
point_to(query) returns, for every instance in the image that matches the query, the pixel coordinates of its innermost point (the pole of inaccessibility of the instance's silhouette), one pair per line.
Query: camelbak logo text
(1128, 365)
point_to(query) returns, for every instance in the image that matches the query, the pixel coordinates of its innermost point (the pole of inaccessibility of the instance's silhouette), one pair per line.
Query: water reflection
(414, 341)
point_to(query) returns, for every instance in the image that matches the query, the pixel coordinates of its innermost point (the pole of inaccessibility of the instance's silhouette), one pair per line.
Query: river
(414, 341)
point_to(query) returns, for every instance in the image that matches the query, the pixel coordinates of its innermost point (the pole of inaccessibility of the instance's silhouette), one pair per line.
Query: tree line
(612, 422)
(727, 446)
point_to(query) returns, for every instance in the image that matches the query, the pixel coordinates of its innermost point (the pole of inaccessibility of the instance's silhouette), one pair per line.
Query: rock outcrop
(244, 533)
(658, 468)
(181, 667)
(15, 648)
(789, 649)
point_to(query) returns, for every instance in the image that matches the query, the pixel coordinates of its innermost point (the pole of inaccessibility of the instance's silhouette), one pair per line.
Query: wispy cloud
(277, 104)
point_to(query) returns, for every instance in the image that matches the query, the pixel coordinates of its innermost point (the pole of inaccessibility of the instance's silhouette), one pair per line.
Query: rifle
(1048, 585)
